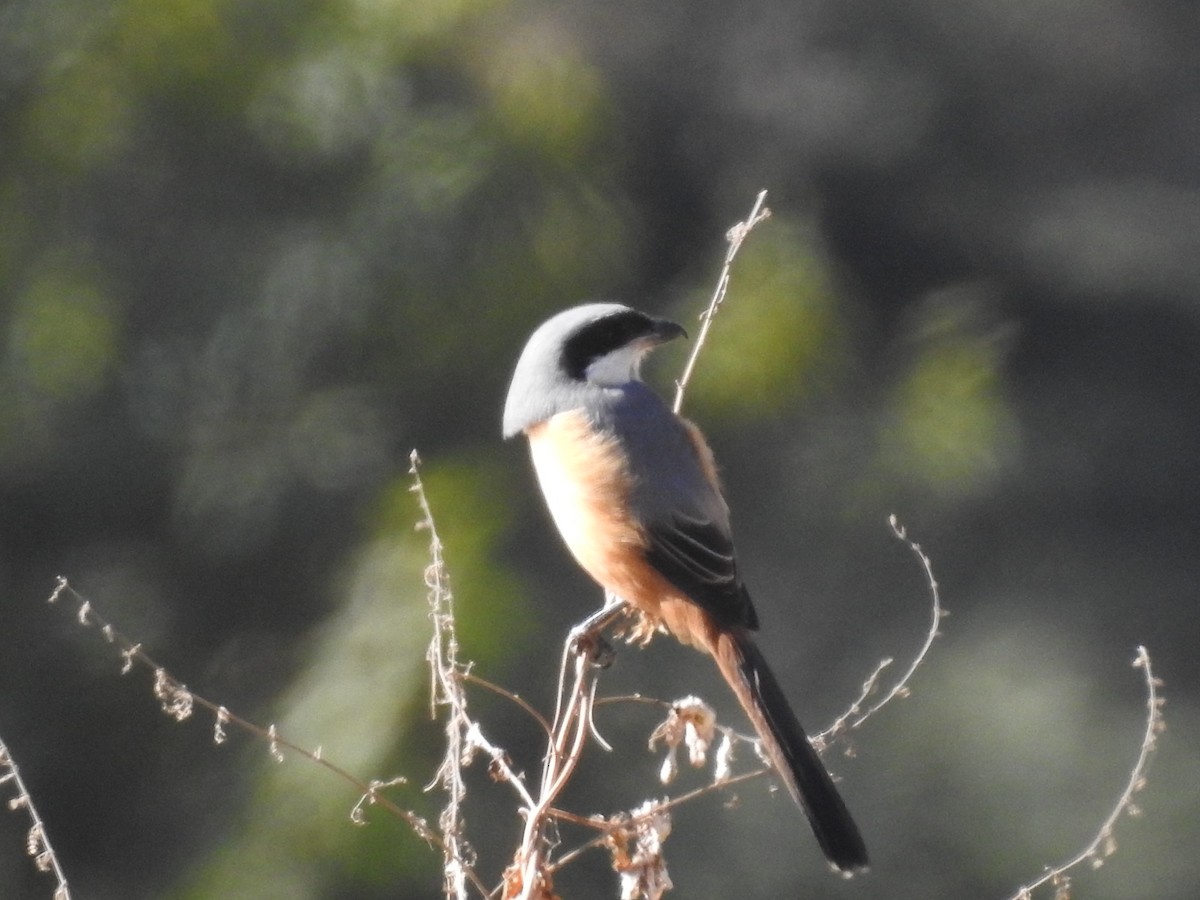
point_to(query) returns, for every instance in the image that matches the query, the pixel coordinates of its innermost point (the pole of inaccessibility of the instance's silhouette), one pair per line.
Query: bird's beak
(666, 330)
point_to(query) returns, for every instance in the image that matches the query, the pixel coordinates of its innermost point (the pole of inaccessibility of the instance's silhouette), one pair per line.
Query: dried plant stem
(735, 236)
(37, 840)
(1104, 844)
(859, 711)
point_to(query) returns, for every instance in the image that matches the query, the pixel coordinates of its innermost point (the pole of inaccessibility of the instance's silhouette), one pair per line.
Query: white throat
(619, 366)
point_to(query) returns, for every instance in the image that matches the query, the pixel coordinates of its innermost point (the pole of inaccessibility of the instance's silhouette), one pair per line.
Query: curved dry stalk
(856, 715)
(1104, 844)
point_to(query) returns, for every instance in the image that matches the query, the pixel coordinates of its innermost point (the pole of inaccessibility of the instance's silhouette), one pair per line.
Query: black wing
(696, 556)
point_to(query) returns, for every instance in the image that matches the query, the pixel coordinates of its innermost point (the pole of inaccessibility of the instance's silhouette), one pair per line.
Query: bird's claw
(594, 646)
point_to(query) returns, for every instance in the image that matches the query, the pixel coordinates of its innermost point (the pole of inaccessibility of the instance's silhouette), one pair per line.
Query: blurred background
(251, 254)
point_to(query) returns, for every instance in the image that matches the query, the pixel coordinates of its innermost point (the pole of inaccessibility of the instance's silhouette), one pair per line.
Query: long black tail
(788, 748)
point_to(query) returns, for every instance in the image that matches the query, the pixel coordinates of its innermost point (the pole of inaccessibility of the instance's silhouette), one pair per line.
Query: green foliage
(63, 346)
(84, 116)
(544, 96)
(64, 335)
(952, 428)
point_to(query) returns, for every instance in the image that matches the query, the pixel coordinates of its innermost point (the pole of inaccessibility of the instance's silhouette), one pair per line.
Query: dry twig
(1104, 844)
(856, 715)
(735, 236)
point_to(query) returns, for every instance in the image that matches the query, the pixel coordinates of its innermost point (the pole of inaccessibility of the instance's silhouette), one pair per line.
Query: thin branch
(37, 840)
(735, 236)
(855, 716)
(1104, 844)
(843, 723)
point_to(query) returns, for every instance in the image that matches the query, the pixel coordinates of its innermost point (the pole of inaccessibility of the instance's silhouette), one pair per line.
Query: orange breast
(586, 482)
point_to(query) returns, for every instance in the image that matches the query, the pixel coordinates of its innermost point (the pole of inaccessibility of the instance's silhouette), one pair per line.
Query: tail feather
(788, 748)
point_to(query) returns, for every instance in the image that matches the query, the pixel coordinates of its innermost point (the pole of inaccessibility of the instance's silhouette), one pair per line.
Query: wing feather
(675, 496)
(697, 557)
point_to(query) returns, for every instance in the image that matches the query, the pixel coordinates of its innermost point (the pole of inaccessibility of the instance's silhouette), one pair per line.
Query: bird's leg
(587, 638)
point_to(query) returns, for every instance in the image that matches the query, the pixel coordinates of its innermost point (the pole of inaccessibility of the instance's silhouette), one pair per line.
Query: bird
(634, 492)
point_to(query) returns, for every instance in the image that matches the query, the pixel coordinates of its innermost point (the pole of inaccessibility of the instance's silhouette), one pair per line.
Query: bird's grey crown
(541, 384)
